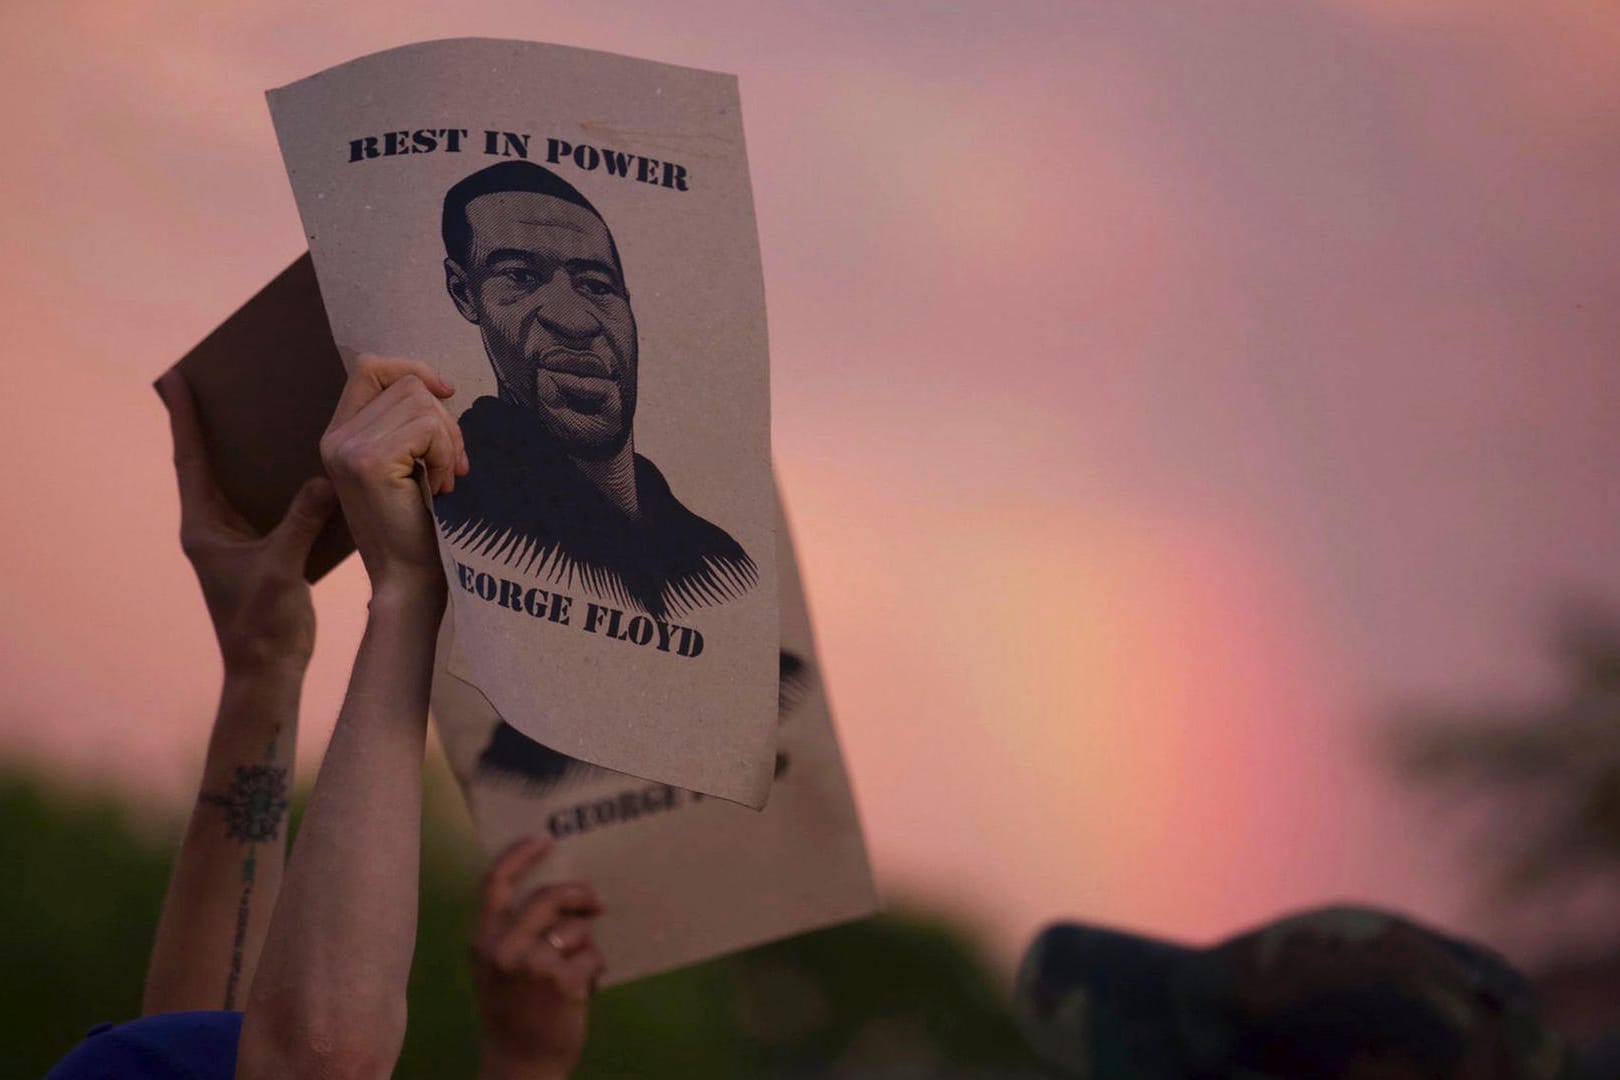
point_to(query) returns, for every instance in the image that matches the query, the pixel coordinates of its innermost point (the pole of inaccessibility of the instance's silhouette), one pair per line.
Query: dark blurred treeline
(1542, 780)
(901, 996)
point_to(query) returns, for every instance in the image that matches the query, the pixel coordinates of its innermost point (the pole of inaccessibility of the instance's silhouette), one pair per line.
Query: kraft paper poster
(683, 878)
(569, 236)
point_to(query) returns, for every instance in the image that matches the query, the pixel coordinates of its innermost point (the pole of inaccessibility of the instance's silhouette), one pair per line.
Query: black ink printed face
(542, 280)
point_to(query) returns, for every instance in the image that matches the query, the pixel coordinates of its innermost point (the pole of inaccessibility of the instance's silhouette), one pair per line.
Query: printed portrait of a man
(556, 488)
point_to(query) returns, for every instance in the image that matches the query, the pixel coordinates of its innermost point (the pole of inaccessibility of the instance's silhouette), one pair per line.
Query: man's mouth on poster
(579, 395)
(581, 382)
(583, 364)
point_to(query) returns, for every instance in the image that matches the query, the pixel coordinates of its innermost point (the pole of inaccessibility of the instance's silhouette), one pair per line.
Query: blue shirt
(168, 1046)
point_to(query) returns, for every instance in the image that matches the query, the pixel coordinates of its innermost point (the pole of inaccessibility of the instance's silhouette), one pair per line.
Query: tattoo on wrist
(234, 978)
(254, 804)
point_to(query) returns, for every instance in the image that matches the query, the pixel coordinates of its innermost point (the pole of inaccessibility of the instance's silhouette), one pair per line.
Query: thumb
(306, 516)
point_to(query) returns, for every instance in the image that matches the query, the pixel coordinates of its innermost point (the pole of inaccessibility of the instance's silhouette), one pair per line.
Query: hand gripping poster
(683, 878)
(569, 236)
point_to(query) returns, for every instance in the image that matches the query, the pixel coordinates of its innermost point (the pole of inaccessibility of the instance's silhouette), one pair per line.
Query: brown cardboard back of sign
(266, 382)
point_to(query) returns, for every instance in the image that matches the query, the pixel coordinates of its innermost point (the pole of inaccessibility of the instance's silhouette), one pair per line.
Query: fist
(389, 424)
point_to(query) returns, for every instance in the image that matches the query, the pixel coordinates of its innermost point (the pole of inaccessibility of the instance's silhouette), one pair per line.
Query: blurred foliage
(892, 996)
(1552, 772)
(1548, 778)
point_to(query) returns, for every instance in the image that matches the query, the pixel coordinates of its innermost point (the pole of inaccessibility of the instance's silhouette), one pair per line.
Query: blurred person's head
(1332, 994)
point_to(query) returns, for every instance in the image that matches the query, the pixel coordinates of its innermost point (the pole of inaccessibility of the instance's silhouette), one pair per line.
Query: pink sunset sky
(1164, 392)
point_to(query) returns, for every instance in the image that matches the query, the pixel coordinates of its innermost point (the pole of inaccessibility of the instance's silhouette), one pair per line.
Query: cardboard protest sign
(266, 382)
(683, 878)
(569, 236)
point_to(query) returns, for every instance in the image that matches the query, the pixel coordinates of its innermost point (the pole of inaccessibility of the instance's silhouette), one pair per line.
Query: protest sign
(683, 878)
(569, 236)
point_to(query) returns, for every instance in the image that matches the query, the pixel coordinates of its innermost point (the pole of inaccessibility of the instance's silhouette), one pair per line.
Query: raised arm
(229, 866)
(329, 998)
